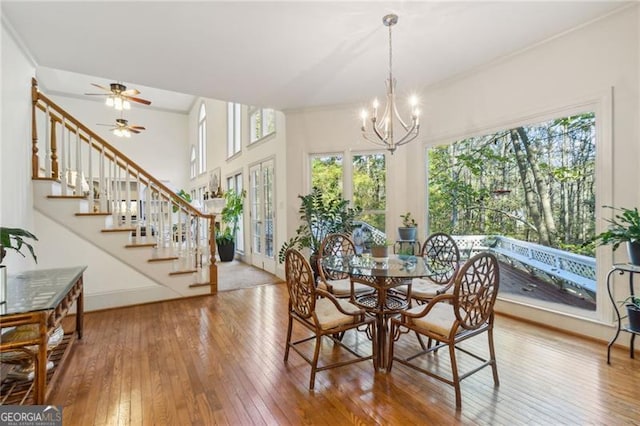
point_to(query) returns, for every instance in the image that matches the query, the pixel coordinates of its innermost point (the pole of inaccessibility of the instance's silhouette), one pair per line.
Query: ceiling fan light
(109, 101)
(126, 104)
(118, 133)
(117, 103)
(126, 133)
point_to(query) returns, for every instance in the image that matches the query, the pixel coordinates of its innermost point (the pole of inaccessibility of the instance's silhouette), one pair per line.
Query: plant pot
(633, 250)
(379, 252)
(633, 314)
(226, 251)
(407, 234)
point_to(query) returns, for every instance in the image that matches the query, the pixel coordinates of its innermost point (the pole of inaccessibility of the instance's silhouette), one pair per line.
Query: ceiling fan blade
(137, 127)
(102, 124)
(134, 130)
(101, 87)
(140, 100)
(130, 92)
(97, 94)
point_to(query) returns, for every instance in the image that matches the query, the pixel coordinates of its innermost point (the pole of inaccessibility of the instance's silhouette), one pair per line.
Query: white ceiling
(278, 54)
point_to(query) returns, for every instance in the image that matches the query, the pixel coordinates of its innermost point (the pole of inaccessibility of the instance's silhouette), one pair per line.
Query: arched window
(193, 162)
(202, 140)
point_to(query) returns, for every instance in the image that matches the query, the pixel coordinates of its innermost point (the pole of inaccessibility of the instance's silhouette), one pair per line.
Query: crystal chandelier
(382, 129)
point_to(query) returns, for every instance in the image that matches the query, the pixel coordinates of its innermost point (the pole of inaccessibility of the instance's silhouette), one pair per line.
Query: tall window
(326, 174)
(193, 162)
(530, 190)
(202, 140)
(235, 182)
(369, 188)
(233, 128)
(262, 123)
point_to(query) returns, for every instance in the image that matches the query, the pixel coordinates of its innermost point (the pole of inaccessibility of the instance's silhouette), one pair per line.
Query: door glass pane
(267, 174)
(256, 213)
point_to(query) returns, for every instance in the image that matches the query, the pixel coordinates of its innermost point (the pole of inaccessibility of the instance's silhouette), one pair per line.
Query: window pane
(369, 182)
(269, 118)
(237, 135)
(530, 192)
(326, 174)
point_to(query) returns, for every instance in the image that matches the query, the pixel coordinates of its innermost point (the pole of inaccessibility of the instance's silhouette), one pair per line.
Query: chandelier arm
(378, 134)
(411, 135)
(371, 139)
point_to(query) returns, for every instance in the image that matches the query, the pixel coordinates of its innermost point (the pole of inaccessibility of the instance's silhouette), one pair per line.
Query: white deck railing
(559, 265)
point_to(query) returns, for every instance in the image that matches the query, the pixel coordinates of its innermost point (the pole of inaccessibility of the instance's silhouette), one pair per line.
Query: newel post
(213, 267)
(34, 129)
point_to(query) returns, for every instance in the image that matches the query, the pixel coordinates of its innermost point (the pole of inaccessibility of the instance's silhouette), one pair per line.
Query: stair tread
(116, 229)
(163, 259)
(72, 197)
(140, 245)
(184, 271)
(93, 214)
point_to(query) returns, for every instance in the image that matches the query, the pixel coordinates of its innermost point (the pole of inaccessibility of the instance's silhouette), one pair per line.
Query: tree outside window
(369, 188)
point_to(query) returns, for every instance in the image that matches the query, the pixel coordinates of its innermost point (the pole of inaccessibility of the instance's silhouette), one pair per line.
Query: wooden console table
(41, 298)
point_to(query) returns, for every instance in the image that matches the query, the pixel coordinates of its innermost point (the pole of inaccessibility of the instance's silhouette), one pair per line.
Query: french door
(262, 201)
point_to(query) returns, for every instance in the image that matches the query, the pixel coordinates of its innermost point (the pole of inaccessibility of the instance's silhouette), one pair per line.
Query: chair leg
(286, 349)
(314, 364)
(456, 377)
(492, 354)
(424, 348)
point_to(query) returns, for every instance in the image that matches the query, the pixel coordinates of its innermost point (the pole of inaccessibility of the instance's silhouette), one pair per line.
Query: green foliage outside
(369, 188)
(533, 183)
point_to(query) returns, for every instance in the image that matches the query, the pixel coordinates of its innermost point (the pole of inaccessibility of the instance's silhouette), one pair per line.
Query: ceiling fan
(122, 128)
(118, 96)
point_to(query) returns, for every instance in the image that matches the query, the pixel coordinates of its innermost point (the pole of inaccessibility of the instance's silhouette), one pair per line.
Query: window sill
(262, 139)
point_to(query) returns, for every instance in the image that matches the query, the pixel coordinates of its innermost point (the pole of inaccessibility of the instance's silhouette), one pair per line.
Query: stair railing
(88, 167)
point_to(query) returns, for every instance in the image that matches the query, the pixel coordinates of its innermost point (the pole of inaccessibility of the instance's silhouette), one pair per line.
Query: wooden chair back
(441, 253)
(300, 284)
(336, 244)
(475, 291)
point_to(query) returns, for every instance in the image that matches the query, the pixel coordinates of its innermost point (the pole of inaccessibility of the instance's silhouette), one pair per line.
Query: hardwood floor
(219, 360)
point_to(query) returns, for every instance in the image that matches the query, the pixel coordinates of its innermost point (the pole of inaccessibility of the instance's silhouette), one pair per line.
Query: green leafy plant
(408, 221)
(230, 215)
(13, 238)
(319, 217)
(184, 195)
(624, 227)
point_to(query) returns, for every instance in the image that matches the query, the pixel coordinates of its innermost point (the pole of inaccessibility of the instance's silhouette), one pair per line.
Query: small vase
(633, 250)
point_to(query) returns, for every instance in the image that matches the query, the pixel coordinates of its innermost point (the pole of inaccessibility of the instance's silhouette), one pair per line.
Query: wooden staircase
(98, 193)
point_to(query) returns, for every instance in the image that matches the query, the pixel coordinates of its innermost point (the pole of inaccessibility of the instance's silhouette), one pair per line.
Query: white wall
(16, 199)
(159, 149)
(581, 65)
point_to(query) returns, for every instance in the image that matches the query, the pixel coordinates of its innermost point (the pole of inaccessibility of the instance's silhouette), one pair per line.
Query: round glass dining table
(383, 275)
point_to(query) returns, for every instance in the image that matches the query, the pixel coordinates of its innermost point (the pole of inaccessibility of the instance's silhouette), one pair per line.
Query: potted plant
(407, 232)
(319, 217)
(13, 238)
(632, 303)
(230, 216)
(380, 250)
(623, 228)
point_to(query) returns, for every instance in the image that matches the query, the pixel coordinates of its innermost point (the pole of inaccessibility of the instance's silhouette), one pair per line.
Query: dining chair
(338, 283)
(323, 315)
(450, 319)
(441, 255)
